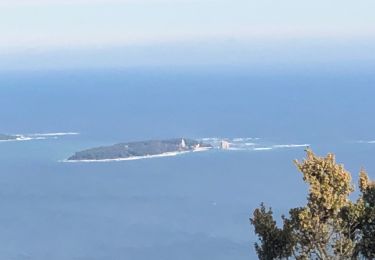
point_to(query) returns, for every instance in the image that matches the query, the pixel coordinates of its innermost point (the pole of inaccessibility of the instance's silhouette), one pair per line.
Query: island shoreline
(134, 158)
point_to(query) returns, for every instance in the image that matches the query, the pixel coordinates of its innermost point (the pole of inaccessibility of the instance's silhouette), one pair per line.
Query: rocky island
(4, 137)
(139, 150)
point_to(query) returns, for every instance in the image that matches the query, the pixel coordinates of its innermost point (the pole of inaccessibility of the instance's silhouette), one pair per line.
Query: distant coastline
(29, 137)
(7, 138)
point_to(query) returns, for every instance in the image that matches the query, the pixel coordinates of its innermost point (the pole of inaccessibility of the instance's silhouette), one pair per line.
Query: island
(139, 150)
(4, 137)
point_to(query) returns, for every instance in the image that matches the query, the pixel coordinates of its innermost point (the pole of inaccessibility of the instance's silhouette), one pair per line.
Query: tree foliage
(329, 226)
(277, 242)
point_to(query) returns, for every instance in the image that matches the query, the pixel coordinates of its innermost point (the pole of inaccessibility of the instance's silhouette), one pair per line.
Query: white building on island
(224, 145)
(183, 144)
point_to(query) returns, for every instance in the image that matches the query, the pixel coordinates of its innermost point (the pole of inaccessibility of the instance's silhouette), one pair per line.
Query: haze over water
(193, 206)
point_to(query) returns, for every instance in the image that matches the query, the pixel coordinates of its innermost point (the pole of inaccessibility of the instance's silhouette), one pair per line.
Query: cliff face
(136, 149)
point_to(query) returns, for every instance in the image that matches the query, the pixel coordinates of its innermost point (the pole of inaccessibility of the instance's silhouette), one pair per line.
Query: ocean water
(193, 206)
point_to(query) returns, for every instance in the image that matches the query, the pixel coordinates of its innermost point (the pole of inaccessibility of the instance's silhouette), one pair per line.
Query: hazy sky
(35, 26)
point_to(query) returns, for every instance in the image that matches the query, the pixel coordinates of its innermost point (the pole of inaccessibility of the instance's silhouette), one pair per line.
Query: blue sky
(40, 28)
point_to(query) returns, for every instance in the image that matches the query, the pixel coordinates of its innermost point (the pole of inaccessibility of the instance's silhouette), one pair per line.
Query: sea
(184, 207)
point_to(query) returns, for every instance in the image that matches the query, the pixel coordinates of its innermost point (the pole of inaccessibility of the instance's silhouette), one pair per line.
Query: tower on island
(183, 144)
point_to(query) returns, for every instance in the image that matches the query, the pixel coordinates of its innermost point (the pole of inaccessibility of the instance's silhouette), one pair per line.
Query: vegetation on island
(4, 137)
(330, 226)
(137, 149)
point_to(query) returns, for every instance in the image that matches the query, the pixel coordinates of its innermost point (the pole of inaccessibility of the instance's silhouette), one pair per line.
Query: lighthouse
(183, 144)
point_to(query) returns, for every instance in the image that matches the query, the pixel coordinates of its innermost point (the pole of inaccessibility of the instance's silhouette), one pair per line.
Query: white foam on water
(250, 144)
(290, 145)
(38, 136)
(207, 139)
(366, 142)
(55, 134)
(201, 149)
(19, 138)
(236, 149)
(169, 154)
(244, 139)
(263, 148)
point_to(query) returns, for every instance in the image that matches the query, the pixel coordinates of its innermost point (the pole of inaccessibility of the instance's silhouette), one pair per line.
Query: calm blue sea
(193, 206)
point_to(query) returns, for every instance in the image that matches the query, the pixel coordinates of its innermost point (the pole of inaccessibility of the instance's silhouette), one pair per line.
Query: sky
(193, 30)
